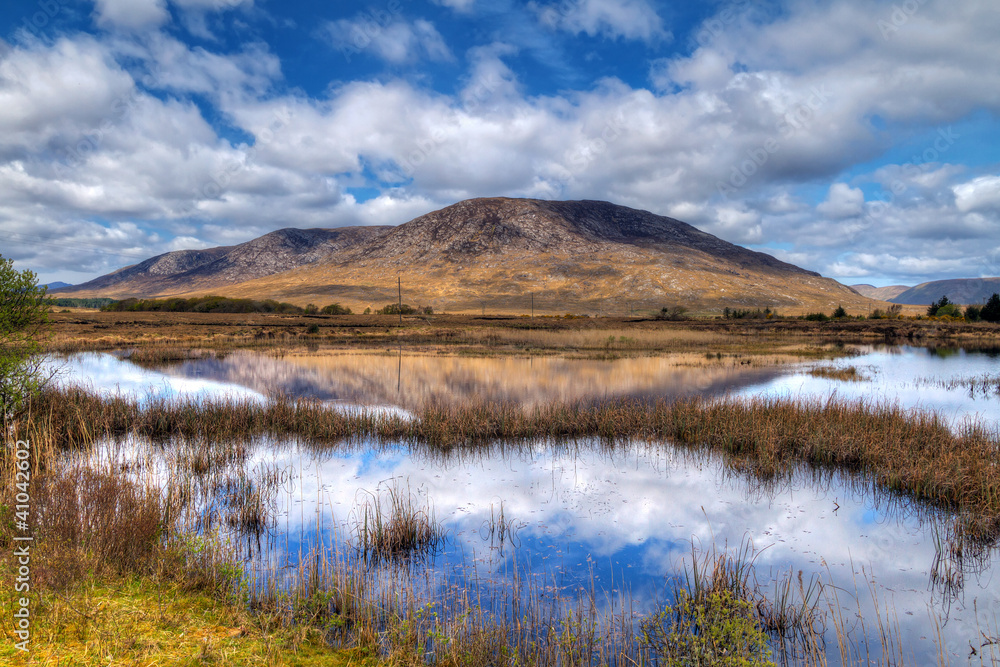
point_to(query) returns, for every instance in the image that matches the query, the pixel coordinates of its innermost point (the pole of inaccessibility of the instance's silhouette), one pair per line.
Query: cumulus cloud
(396, 41)
(843, 201)
(724, 137)
(131, 14)
(979, 193)
(626, 19)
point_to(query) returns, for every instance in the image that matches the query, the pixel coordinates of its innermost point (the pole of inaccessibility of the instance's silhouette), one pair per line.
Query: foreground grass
(147, 621)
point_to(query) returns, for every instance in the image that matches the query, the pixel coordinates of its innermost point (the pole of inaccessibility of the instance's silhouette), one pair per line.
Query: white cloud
(396, 42)
(627, 19)
(131, 14)
(842, 201)
(979, 193)
(458, 5)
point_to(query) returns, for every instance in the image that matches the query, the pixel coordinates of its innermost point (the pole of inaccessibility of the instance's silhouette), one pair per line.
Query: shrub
(398, 309)
(949, 310)
(840, 312)
(932, 310)
(817, 317)
(337, 309)
(23, 314)
(991, 311)
(714, 628)
(973, 313)
(311, 309)
(671, 313)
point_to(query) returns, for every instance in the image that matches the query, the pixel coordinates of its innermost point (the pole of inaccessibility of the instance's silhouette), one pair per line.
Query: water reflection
(622, 518)
(619, 518)
(409, 381)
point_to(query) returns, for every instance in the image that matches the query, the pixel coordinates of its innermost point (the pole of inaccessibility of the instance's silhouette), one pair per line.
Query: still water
(624, 518)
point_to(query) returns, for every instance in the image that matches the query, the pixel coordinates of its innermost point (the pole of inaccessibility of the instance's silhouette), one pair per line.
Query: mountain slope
(217, 268)
(887, 293)
(499, 255)
(492, 255)
(959, 290)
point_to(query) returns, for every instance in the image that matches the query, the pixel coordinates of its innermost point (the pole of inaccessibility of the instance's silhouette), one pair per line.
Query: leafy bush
(67, 302)
(757, 314)
(336, 309)
(932, 310)
(840, 312)
(817, 317)
(23, 314)
(397, 309)
(203, 304)
(716, 628)
(949, 310)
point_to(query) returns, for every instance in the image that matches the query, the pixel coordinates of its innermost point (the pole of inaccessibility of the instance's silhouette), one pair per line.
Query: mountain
(56, 285)
(496, 255)
(960, 290)
(218, 268)
(880, 293)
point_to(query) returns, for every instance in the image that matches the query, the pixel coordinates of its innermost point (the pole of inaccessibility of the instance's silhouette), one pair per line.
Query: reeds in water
(392, 525)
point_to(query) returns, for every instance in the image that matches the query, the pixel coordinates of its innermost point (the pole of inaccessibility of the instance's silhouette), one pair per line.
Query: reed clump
(392, 525)
(846, 374)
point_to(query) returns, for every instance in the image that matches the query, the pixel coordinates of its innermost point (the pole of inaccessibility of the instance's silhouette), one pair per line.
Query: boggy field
(92, 330)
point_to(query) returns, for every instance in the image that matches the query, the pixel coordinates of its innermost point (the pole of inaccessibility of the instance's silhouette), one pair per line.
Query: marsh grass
(847, 374)
(393, 525)
(984, 385)
(98, 520)
(909, 452)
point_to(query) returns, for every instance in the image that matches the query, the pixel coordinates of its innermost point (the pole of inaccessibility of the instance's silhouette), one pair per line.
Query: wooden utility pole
(399, 287)
(532, 305)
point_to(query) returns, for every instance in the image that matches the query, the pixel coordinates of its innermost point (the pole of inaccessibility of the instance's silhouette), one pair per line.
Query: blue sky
(858, 139)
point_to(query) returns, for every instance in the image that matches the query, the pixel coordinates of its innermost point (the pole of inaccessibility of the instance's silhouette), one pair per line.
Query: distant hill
(880, 293)
(492, 255)
(960, 290)
(219, 268)
(56, 285)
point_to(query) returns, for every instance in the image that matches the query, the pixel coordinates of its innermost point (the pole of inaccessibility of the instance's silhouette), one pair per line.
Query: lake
(621, 518)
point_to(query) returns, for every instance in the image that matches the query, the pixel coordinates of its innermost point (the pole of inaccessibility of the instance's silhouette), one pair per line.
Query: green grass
(146, 621)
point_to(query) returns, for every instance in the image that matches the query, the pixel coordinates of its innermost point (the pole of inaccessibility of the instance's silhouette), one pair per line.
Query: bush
(949, 310)
(203, 304)
(758, 314)
(671, 313)
(23, 314)
(716, 628)
(337, 309)
(397, 309)
(973, 313)
(817, 317)
(839, 313)
(932, 310)
(311, 309)
(991, 311)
